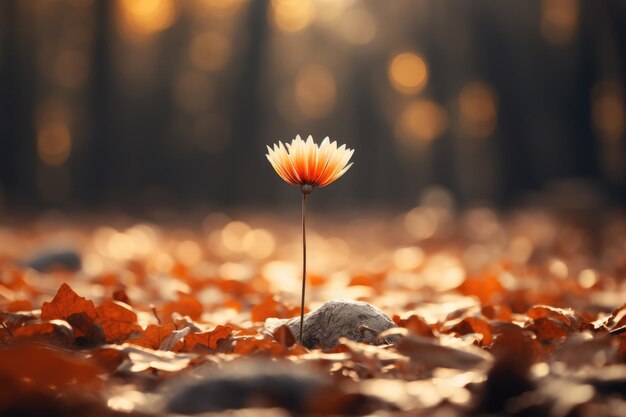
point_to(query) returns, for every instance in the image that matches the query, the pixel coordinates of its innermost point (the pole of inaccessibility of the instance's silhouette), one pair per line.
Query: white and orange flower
(309, 165)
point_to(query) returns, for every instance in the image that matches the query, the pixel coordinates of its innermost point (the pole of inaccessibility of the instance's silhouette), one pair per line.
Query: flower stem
(303, 265)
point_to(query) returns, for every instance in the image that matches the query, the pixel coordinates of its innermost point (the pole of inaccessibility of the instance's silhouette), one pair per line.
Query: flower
(307, 164)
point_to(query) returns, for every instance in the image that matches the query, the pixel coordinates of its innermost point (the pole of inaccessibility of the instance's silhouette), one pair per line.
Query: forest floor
(517, 314)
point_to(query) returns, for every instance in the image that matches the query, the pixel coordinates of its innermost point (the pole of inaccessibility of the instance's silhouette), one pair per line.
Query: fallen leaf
(117, 320)
(153, 336)
(53, 332)
(284, 336)
(15, 320)
(205, 340)
(176, 336)
(186, 305)
(87, 329)
(141, 359)
(16, 305)
(430, 353)
(27, 369)
(65, 303)
(269, 307)
(414, 324)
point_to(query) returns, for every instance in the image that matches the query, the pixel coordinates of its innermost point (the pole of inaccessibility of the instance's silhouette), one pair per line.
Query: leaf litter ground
(520, 314)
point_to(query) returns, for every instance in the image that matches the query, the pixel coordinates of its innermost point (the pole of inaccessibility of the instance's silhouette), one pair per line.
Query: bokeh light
(54, 143)
(478, 109)
(358, 26)
(559, 20)
(193, 91)
(315, 91)
(408, 73)
(292, 15)
(609, 111)
(420, 122)
(222, 7)
(145, 17)
(209, 51)
(70, 68)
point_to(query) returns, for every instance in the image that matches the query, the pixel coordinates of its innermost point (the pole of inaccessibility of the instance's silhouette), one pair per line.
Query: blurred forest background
(135, 103)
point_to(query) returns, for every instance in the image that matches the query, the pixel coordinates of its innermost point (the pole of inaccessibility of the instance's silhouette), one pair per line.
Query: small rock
(55, 258)
(253, 383)
(355, 320)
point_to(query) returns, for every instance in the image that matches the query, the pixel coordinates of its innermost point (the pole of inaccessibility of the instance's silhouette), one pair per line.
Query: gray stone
(355, 320)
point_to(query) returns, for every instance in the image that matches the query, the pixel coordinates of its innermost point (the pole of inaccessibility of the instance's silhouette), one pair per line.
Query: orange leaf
(25, 370)
(117, 320)
(259, 345)
(65, 303)
(414, 324)
(84, 327)
(209, 340)
(486, 287)
(474, 325)
(153, 335)
(284, 336)
(269, 307)
(17, 305)
(55, 332)
(497, 312)
(549, 330)
(540, 311)
(187, 305)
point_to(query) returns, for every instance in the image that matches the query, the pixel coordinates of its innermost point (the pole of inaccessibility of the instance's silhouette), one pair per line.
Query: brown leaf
(28, 369)
(54, 332)
(85, 327)
(486, 287)
(153, 336)
(108, 359)
(415, 324)
(269, 307)
(512, 341)
(117, 320)
(497, 312)
(284, 336)
(141, 359)
(17, 305)
(14, 320)
(474, 325)
(259, 345)
(617, 318)
(549, 331)
(65, 303)
(566, 316)
(170, 341)
(187, 305)
(434, 355)
(205, 340)
(120, 295)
